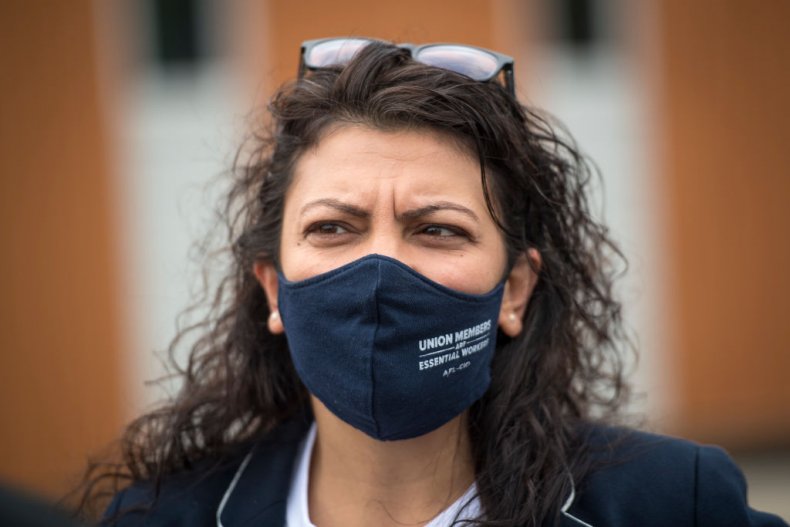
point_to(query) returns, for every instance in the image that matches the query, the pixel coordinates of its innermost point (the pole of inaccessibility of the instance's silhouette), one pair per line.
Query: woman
(418, 328)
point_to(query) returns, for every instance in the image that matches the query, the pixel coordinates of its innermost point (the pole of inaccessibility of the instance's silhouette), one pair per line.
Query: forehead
(352, 157)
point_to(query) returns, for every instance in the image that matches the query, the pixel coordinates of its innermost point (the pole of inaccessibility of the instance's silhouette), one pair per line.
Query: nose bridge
(387, 240)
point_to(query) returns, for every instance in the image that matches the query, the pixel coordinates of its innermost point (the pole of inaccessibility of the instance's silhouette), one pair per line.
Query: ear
(518, 288)
(267, 277)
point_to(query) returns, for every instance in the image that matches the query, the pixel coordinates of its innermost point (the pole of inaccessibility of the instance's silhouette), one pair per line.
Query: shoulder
(196, 497)
(187, 498)
(638, 478)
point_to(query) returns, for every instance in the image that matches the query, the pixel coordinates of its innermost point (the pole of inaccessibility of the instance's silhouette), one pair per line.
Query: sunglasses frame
(504, 62)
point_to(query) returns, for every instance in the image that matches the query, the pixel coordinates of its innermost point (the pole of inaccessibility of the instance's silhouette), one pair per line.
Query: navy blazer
(644, 480)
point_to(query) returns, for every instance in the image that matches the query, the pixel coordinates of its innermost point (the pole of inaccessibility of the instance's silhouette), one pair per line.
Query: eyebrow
(420, 212)
(336, 204)
(436, 207)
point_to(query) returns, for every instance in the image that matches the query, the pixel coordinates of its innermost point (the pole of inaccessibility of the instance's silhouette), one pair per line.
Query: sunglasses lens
(334, 52)
(474, 63)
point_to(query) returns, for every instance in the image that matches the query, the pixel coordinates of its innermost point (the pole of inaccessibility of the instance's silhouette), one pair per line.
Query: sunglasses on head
(476, 63)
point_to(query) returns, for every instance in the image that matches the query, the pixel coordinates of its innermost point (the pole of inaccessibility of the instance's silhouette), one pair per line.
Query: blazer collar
(566, 518)
(258, 492)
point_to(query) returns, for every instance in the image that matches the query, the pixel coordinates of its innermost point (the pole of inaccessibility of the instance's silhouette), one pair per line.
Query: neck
(357, 480)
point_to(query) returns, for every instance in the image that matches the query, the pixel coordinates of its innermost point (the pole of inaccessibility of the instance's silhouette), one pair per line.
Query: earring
(274, 315)
(511, 317)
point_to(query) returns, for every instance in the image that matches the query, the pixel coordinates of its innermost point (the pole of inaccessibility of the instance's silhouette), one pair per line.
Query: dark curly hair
(564, 369)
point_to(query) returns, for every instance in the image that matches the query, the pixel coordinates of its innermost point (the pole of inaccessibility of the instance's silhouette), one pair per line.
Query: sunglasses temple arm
(302, 66)
(510, 82)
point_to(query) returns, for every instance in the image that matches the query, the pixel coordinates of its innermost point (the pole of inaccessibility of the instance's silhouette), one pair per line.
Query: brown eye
(441, 231)
(327, 229)
(330, 228)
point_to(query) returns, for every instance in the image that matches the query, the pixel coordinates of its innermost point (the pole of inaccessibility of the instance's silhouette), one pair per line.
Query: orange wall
(59, 323)
(726, 80)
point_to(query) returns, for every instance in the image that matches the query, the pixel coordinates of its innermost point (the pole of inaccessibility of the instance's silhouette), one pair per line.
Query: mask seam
(372, 350)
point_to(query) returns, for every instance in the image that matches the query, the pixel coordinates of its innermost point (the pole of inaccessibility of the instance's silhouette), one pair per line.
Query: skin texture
(415, 196)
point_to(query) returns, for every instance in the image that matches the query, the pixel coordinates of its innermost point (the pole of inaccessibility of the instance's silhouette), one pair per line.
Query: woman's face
(415, 196)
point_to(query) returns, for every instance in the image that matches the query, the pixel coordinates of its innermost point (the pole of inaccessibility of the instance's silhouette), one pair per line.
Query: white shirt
(298, 515)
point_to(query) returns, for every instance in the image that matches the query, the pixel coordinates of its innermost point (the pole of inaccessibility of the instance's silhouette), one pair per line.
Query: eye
(326, 229)
(443, 232)
(330, 228)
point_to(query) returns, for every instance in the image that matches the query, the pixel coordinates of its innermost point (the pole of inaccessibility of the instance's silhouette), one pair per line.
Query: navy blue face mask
(387, 350)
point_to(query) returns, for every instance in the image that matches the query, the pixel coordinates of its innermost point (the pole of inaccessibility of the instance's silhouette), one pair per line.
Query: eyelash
(316, 229)
(455, 231)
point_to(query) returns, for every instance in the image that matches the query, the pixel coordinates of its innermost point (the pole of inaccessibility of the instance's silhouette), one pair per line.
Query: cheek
(300, 265)
(474, 274)
(296, 261)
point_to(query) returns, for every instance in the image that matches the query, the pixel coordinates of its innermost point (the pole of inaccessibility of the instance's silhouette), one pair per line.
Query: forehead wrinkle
(392, 165)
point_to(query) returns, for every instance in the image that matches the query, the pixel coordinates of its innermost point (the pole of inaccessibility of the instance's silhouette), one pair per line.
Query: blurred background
(118, 116)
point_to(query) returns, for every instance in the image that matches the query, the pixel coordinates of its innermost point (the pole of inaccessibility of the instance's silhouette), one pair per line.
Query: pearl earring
(275, 315)
(511, 317)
